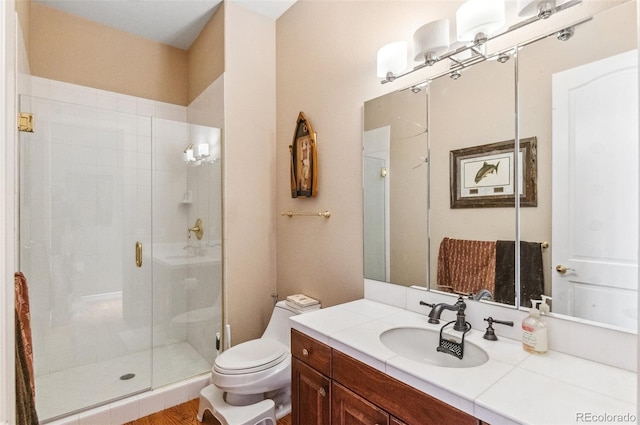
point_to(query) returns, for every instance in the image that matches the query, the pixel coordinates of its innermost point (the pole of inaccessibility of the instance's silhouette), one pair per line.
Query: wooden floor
(185, 414)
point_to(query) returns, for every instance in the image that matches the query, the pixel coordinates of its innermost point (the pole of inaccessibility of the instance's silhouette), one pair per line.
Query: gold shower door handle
(138, 254)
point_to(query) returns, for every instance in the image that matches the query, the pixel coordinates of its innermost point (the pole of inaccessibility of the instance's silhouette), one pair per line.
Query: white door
(595, 191)
(376, 189)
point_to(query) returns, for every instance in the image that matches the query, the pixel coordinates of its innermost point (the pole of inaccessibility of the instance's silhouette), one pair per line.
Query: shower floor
(61, 393)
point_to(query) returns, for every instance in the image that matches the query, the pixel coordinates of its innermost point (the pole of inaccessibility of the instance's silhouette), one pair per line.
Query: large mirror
(583, 218)
(579, 97)
(472, 140)
(395, 180)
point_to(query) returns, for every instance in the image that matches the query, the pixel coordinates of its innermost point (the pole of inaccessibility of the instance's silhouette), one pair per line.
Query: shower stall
(124, 298)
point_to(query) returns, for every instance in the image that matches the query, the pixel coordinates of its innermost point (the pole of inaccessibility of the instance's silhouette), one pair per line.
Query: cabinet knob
(305, 352)
(322, 391)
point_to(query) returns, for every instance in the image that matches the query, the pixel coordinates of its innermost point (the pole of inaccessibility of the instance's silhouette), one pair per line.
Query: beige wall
(460, 120)
(206, 55)
(327, 70)
(75, 50)
(326, 61)
(249, 178)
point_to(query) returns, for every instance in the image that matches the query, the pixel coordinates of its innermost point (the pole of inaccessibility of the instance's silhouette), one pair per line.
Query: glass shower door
(85, 248)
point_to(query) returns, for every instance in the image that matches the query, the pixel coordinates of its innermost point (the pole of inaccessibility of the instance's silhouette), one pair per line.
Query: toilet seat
(250, 357)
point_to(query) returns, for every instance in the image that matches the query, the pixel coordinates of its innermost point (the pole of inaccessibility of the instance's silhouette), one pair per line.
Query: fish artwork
(485, 170)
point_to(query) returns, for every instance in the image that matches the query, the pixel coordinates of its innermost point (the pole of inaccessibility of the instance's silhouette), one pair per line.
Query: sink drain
(127, 376)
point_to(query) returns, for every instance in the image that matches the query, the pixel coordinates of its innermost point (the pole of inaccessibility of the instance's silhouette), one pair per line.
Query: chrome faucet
(459, 306)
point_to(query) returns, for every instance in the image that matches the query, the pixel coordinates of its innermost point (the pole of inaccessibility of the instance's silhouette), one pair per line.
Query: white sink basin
(420, 345)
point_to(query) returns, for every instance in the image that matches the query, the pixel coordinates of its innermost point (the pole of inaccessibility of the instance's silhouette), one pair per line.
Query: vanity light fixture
(416, 88)
(503, 57)
(566, 33)
(430, 41)
(541, 8)
(202, 150)
(196, 155)
(392, 60)
(477, 22)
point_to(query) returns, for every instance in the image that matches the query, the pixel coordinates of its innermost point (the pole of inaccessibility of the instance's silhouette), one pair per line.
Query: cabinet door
(395, 421)
(397, 398)
(348, 408)
(310, 395)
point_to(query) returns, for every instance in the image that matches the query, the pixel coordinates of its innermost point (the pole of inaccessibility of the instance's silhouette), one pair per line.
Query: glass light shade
(479, 16)
(431, 38)
(203, 150)
(528, 8)
(188, 155)
(392, 58)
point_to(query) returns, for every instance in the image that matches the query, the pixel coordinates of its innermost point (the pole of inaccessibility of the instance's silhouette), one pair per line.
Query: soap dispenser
(534, 330)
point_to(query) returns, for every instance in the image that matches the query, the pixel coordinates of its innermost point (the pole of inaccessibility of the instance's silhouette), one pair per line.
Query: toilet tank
(279, 327)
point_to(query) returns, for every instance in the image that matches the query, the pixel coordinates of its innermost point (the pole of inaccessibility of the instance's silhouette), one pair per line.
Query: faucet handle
(490, 333)
(197, 230)
(501, 322)
(432, 319)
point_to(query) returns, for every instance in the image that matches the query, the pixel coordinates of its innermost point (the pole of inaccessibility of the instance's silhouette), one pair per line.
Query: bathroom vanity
(330, 387)
(342, 373)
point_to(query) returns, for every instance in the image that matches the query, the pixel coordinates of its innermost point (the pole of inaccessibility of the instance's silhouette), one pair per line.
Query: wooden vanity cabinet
(310, 381)
(348, 408)
(330, 388)
(310, 394)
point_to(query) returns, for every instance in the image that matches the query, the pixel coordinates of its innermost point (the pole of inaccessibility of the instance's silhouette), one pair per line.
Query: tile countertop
(513, 387)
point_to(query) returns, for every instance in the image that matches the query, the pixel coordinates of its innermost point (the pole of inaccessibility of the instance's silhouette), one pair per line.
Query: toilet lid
(251, 356)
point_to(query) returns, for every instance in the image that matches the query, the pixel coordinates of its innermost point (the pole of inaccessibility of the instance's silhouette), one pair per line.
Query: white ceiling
(173, 22)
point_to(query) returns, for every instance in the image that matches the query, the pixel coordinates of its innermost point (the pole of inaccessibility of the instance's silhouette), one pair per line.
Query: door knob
(563, 269)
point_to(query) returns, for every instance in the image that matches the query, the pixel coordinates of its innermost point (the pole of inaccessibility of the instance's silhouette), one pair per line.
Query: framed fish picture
(485, 176)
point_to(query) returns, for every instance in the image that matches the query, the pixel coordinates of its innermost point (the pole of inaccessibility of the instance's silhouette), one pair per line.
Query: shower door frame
(8, 60)
(53, 132)
(206, 204)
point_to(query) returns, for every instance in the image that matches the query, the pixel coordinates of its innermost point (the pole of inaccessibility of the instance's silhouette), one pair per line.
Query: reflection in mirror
(395, 187)
(474, 110)
(580, 99)
(590, 205)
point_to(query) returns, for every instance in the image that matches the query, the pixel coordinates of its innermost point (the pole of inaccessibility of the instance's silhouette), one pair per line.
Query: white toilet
(252, 380)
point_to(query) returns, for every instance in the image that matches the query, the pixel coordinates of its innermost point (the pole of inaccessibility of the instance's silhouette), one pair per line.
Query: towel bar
(325, 214)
